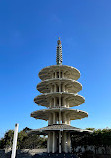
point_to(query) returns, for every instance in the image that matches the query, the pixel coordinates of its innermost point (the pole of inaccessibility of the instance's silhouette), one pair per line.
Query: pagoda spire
(59, 53)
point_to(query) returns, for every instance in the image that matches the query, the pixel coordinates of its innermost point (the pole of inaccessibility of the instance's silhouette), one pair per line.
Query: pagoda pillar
(64, 142)
(69, 142)
(49, 143)
(66, 146)
(54, 101)
(54, 143)
(60, 101)
(59, 141)
(63, 88)
(54, 118)
(50, 121)
(59, 117)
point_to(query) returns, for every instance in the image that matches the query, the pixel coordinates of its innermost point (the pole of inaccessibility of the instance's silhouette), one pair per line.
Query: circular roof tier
(73, 114)
(71, 85)
(58, 127)
(73, 99)
(69, 72)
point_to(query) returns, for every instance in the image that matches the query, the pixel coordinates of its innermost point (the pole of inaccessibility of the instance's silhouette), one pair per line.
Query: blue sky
(28, 34)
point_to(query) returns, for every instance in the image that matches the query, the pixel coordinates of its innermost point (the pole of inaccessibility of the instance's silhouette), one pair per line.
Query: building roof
(73, 99)
(73, 114)
(58, 127)
(71, 85)
(70, 72)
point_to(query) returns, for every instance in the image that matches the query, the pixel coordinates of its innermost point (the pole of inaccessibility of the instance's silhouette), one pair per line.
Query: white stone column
(69, 142)
(60, 117)
(64, 101)
(50, 136)
(54, 87)
(48, 143)
(65, 142)
(63, 87)
(59, 141)
(66, 89)
(54, 118)
(67, 103)
(50, 119)
(59, 87)
(50, 104)
(54, 102)
(60, 101)
(53, 143)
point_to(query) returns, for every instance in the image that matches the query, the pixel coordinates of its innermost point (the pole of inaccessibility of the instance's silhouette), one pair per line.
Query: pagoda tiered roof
(70, 72)
(74, 99)
(73, 86)
(74, 114)
(58, 127)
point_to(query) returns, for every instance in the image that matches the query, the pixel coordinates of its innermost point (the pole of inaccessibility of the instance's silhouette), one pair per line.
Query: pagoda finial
(59, 53)
(59, 41)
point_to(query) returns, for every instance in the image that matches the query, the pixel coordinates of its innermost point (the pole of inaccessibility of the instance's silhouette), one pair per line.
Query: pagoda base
(59, 141)
(59, 137)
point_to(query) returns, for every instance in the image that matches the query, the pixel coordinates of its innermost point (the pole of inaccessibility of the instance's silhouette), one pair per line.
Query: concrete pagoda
(60, 89)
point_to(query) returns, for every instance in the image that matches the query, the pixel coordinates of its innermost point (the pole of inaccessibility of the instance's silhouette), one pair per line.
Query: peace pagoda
(59, 88)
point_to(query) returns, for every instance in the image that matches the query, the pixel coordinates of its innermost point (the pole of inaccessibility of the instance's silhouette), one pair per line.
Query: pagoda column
(54, 87)
(49, 143)
(59, 141)
(50, 121)
(59, 87)
(65, 138)
(60, 101)
(54, 143)
(64, 142)
(54, 101)
(69, 142)
(59, 117)
(64, 101)
(63, 87)
(54, 118)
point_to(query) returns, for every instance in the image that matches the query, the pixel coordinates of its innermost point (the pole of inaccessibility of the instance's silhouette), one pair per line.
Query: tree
(8, 139)
(24, 140)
